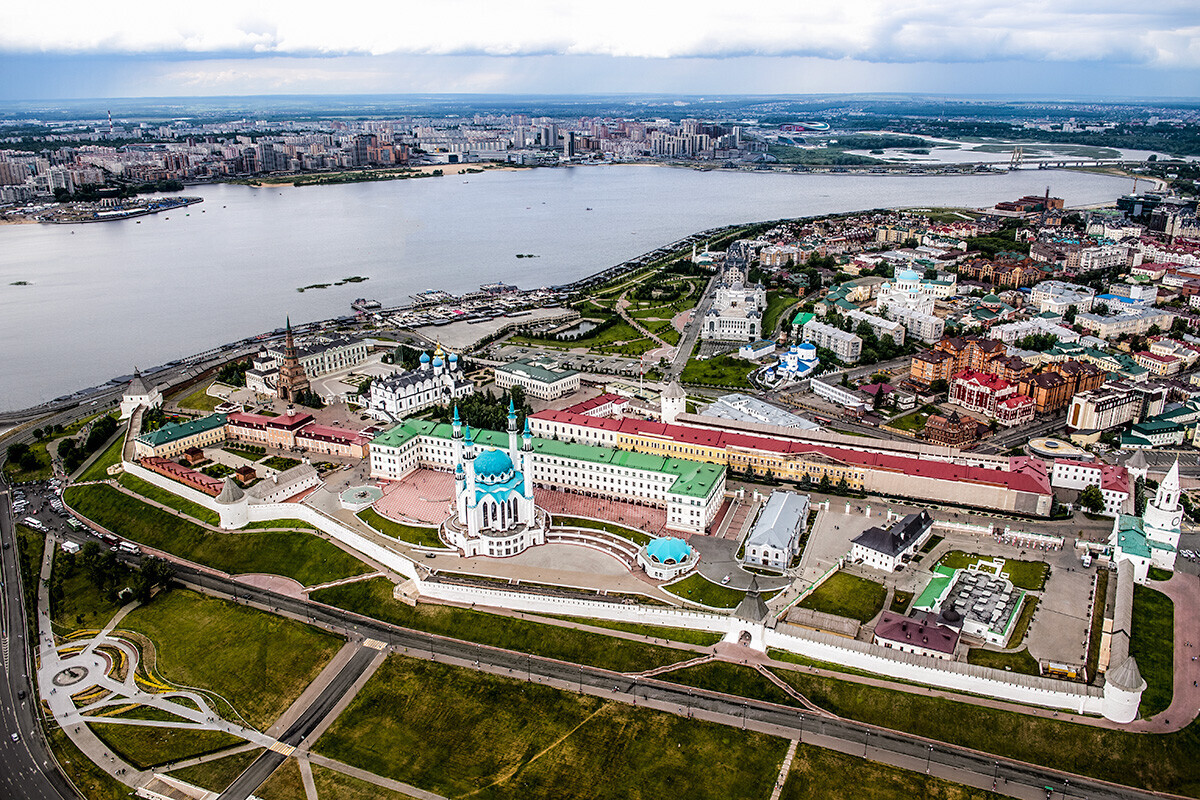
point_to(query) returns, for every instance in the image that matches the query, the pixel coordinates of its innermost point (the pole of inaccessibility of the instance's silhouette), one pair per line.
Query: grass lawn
(280, 463)
(463, 732)
(1098, 603)
(635, 536)
(848, 595)
(373, 598)
(1019, 661)
(820, 774)
(249, 455)
(31, 547)
(217, 775)
(199, 400)
(1159, 574)
(699, 589)
(1029, 575)
(98, 470)
(301, 556)
(279, 523)
(413, 534)
(933, 542)
(41, 472)
(777, 303)
(725, 371)
(337, 786)
(1160, 763)
(146, 747)
(900, 601)
(91, 779)
(285, 783)
(1018, 631)
(169, 499)
(913, 422)
(257, 661)
(147, 713)
(1153, 645)
(81, 605)
(722, 676)
(685, 635)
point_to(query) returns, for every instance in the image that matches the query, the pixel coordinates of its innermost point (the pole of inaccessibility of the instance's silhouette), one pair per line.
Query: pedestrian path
(781, 779)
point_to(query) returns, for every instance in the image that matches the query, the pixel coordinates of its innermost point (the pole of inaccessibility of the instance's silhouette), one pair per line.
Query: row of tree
(113, 578)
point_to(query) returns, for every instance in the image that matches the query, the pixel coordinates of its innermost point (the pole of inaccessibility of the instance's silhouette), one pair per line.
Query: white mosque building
(798, 362)
(1151, 540)
(493, 490)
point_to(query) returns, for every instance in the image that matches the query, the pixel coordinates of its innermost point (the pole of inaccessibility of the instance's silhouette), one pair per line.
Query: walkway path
(784, 769)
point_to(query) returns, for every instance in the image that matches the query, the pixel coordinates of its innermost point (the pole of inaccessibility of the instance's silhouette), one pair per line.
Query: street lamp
(928, 758)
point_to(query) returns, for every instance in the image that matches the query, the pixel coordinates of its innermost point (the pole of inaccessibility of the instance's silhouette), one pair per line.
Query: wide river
(106, 297)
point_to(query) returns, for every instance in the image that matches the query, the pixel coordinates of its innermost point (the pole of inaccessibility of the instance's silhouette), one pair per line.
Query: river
(106, 297)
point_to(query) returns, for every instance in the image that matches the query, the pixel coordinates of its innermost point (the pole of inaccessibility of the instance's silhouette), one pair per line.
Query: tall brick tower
(292, 379)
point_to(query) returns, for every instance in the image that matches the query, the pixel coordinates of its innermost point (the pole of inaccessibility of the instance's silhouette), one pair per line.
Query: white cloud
(1164, 33)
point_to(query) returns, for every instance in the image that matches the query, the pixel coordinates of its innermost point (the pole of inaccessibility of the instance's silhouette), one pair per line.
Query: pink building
(994, 397)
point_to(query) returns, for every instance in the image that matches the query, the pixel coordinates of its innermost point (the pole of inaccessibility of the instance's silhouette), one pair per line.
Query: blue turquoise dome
(808, 348)
(908, 275)
(424, 358)
(669, 550)
(493, 464)
(437, 362)
(453, 357)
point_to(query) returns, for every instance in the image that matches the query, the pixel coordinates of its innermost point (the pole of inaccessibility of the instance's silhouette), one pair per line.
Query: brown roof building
(952, 430)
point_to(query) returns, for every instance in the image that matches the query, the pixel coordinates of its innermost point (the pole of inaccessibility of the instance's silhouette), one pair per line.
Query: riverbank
(372, 176)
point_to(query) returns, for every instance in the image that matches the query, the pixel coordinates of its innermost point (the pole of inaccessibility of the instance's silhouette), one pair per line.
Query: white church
(439, 379)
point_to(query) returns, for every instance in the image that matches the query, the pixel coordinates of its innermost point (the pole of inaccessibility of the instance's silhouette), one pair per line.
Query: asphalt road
(27, 770)
(269, 761)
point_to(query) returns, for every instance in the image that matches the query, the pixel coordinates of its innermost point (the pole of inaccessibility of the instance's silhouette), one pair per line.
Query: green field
(685, 635)
(1029, 575)
(635, 536)
(413, 534)
(168, 499)
(777, 303)
(1153, 645)
(81, 605)
(336, 786)
(258, 662)
(725, 371)
(1026, 617)
(88, 777)
(699, 589)
(373, 598)
(269, 524)
(300, 556)
(199, 400)
(847, 595)
(722, 676)
(249, 455)
(1020, 661)
(280, 463)
(31, 548)
(819, 774)
(145, 747)
(98, 469)
(285, 783)
(463, 732)
(217, 775)
(1158, 763)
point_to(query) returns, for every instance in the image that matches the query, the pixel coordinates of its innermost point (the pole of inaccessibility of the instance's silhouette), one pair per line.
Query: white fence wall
(174, 487)
(963, 527)
(952, 675)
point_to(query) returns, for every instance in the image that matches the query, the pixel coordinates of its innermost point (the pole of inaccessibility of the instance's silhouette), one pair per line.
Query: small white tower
(456, 437)
(1123, 687)
(233, 506)
(513, 446)
(674, 402)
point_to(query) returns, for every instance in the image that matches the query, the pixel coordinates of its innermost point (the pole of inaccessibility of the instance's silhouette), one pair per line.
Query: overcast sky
(82, 48)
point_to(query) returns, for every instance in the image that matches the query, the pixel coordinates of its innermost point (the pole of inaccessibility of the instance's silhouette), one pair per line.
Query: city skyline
(1100, 50)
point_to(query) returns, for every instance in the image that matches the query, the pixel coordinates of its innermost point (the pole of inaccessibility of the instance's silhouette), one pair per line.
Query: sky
(148, 48)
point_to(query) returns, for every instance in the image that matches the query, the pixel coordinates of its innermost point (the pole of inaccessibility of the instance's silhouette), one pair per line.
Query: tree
(1069, 317)
(939, 386)
(1091, 499)
(825, 485)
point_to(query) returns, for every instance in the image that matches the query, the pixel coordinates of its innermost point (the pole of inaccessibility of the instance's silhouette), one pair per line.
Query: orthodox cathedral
(1152, 539)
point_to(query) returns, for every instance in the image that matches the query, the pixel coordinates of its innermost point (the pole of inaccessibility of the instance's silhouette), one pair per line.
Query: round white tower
(1123, 687)
(674, 402)
(233, 506)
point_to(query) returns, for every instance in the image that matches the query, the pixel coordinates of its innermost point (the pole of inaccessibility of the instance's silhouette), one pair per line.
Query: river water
(110, 296)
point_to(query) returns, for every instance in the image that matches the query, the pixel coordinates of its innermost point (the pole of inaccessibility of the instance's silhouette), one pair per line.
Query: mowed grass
(98, 469)
(725, 371)
(87, 776)
(300, 556)
(1153, 645)
(1020, 661)
(258, 662)
(685, 635)
(169, 499)
(217, 775)
(373, 598)
(847, 595)
(633, 535)
(722, 676)
(456, 731)
(144, 746)
(699, 589)
(337, 786)
(285, 783)
(1164, 763)
(413, 534)
(199, 400)
(819, 774)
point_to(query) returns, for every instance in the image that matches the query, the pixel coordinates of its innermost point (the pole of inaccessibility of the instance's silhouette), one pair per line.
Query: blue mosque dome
(669, 550)
(493, 464)
(424, 358)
